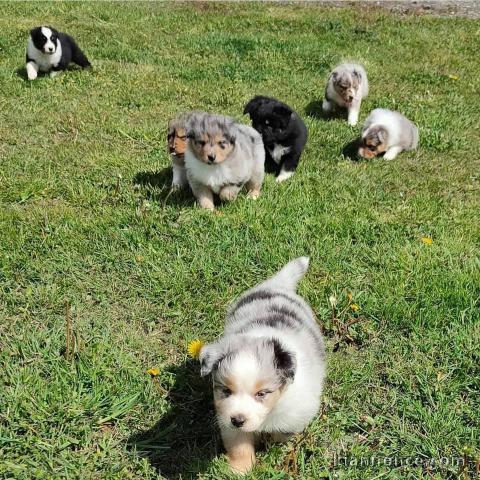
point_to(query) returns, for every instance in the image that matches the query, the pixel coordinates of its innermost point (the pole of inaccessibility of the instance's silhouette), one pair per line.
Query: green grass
(87, 219)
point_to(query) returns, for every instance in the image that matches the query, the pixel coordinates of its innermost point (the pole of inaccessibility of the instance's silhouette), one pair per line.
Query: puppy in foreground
(283, 132)
(177, 144)
(221, 157)
(347, 85)
(389, 132)
(52, 51)
(268, 368)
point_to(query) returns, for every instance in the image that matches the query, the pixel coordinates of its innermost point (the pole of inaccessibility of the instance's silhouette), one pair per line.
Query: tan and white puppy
(221, 157)
(388, 132)
(347, 85)
(268, 368)
(177, 144)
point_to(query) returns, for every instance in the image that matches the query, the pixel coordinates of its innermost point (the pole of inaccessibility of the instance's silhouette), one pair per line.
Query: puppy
(347, 85)
(51, 51)
(268, 368)
(387, 131)
(283, 132)
(221, 157)
(177, 144)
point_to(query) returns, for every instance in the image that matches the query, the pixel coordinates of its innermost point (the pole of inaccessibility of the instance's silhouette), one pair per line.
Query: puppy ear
(252, 105)
(382, 135)
(357, 74)
(210, 355)
(284, 361)
(282, 110)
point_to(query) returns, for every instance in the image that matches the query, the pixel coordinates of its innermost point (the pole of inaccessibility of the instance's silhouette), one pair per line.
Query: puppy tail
(78, 56)
(289, 276)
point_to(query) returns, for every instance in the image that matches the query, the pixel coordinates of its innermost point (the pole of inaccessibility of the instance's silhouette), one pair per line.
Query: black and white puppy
(52, 51)
(283, 132)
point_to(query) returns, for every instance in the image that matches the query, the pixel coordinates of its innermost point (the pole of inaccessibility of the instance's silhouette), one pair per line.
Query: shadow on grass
(350, 150)
(22, 71)
(183, 442)
(157, 188)
(314, 109)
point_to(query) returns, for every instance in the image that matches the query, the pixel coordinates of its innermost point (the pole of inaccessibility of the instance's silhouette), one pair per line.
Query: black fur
(284, 361)
(70, 50)
(285, 128)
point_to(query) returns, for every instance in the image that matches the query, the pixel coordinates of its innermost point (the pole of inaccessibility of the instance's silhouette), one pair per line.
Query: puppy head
(45, 39)
(177, 137)
(346, 83)
(374, 142)
(249, 377)
(270, 118)
(211, 137)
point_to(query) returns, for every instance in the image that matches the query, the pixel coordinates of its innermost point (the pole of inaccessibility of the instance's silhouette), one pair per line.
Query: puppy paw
(31, 72)
(241, 465)
(206, 204)
(283, 175)
(54, 73)
(253, 194)
(228, 194)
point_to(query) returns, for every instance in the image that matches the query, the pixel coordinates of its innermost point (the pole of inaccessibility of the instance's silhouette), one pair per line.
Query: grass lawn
(90, 231)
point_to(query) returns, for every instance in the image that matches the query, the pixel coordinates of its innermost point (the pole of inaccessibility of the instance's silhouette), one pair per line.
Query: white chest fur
(278, 151)
(215, 176)
(44, 61)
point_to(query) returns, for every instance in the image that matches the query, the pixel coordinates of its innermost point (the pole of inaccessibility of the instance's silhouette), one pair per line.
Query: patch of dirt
(439, 8)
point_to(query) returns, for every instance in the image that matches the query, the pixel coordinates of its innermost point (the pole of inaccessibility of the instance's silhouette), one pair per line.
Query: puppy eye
(201, 143)
(183, 137)
(261, 394)
(226, 392)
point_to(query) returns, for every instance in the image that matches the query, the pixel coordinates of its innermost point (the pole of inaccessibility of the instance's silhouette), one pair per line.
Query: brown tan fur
(177, 141)
(346, 88)
(373, 144)
(212, 149)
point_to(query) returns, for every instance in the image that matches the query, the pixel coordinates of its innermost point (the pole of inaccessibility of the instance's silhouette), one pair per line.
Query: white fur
(232, 170)
(335, 100)
(300, 400)
(402, 133)
(284, 175)
(278, 151)
(179, 176)
(44, 61)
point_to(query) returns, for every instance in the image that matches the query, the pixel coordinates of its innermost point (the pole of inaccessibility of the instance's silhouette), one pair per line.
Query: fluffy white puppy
(268, 368)
(347, 85)
(389, 132)
(221, 157)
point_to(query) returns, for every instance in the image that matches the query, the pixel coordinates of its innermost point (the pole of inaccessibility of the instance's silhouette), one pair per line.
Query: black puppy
(283, 132)
(52, 51)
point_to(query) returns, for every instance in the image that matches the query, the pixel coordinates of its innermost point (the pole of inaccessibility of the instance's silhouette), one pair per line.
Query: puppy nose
(238, 420)
(211, 158)
(50, 49)
(350, 97)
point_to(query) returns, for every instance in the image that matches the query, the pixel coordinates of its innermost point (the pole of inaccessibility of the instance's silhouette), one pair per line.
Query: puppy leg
(289, 165)
(392, 152)
(203, 195)
(179, 176)
(353, 113)
(54, 73)
(32, 70)
(255, 182)
(240, 447)
(229, 192)
(327, 106)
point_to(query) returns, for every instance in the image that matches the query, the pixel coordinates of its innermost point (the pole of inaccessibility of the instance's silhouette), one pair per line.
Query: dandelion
(154, 372)
(194, 348)
(427, 240)
(454, 77)
(333, 301)
(354, 307)
(349, 296)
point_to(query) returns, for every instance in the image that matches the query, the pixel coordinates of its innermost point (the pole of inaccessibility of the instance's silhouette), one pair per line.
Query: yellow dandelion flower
(194, 348)
(349, 296)
(354, 307)
(154, 372)
(453, 77)
(427, 240)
